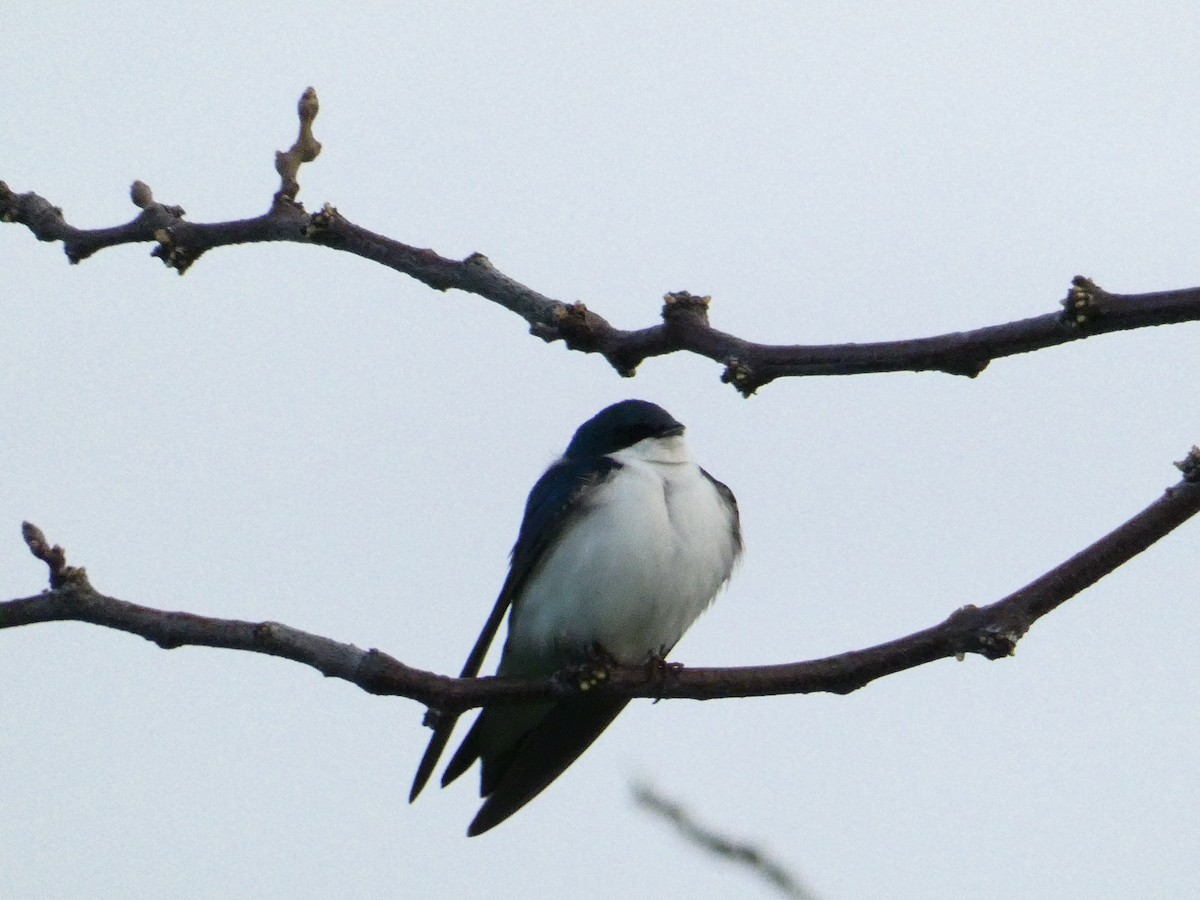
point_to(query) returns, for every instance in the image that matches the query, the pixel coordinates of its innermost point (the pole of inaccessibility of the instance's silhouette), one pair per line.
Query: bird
(625, 541)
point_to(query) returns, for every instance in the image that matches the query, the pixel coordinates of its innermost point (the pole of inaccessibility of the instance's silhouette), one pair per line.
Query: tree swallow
(624, 543)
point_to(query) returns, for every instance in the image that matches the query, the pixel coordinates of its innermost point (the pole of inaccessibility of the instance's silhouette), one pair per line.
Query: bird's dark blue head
(619, 426)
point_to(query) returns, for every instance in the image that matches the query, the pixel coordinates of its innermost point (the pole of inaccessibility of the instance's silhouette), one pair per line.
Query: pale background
(294, 434)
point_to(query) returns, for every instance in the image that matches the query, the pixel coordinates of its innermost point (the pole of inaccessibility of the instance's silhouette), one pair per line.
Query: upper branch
(991, 631)
(1088, 310)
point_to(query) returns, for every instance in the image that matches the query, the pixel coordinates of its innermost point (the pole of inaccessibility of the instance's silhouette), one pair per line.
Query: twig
(719, 845)
(748, 366)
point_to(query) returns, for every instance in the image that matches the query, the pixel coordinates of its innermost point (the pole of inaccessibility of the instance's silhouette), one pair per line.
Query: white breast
(648, 555)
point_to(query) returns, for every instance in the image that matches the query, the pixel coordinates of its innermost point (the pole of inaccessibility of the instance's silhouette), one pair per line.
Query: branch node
(996, 641)
(36, 213)
(168, 641)
(321, 222)
(1190, 466)
(963, 364)
(741, 376)
(1082, 303)
(143, 199)
(579, 327)
(976, 634)
(680, 307)
(8, 204)
(173, 254)
(54, 557)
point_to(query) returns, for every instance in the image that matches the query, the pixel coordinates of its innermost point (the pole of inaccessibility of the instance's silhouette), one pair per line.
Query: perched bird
(625, 541)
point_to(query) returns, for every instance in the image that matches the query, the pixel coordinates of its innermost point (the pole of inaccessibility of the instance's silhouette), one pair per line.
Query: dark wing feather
(550, 507)
(544, 754)
(443, 724)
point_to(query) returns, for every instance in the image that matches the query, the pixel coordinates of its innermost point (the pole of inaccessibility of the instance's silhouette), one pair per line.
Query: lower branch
(721, 846)
(991, 631)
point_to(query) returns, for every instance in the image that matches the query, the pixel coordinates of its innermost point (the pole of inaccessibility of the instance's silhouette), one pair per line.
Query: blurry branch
(990, 631)
(719, 845)
(1087, 309)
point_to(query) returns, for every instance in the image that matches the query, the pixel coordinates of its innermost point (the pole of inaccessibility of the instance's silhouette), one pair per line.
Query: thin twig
(717, 844)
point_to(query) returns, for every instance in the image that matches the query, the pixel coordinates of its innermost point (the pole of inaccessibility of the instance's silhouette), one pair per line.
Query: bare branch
(749, 366)
(719, 845)
(990, 631)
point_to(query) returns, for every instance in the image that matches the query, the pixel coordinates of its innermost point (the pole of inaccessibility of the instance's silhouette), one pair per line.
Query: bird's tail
(556, 742)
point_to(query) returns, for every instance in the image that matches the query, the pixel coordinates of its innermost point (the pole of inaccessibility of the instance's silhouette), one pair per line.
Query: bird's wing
(731, 503)
(555, 501)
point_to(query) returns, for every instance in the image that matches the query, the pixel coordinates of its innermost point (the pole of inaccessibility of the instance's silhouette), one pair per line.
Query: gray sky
(293, 434)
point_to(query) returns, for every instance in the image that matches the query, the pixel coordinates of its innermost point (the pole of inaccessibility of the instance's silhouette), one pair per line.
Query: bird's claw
(660, 671)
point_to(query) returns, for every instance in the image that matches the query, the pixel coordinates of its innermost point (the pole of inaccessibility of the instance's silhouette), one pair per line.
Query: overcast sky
(293, 434)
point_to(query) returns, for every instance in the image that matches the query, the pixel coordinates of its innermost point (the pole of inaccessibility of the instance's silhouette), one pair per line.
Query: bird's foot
(581, 677)
(599, 663)
(659, 670)
(594, 670)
